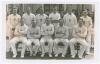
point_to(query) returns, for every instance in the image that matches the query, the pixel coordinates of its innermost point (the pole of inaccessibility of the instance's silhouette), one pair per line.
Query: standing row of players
(40, 28)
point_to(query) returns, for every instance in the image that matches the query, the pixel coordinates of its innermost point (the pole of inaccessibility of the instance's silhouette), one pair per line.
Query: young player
(88, 24)
(70, 21)
(61, 35)
(79, 35)
(47, 31)
(19, 36)
(12, 21)
(54, 16)
(33, 36)
(41, 18)
(28, 17)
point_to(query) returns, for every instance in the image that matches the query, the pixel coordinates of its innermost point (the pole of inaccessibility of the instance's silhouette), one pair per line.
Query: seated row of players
(40, 35)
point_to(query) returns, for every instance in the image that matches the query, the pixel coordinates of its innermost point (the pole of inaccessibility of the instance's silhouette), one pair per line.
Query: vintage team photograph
(50, 31)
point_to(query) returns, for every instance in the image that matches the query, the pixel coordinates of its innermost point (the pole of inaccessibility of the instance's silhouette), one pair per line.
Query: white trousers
(50, 44)
(14, 41)
(88, 39)
(70, 33)
(7, 45)
(92, 40)
(36, 45)
(83, 46)
(64, 48)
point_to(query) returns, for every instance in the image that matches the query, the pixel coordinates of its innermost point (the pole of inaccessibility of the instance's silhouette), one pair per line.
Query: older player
(33, 36)
(79, 35)
(40, 18)
(70, 21)
(47, 31)
(28, 17)
(61, 36)
(19, 36)
(88, 24)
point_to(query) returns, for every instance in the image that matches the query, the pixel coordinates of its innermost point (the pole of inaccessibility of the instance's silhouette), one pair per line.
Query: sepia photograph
(50, 31)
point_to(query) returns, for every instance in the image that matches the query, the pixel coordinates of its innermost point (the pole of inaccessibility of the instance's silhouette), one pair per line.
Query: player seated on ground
(61, 37)
(47, 31)
(79, 35)
(33, 36)
(19, 36)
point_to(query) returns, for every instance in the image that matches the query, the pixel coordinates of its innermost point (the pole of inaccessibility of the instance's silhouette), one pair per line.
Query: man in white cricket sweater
(79, 35)
(54, 16)
(88, 24)
(41, 18)
(28, 17)
(61, 36)
(19, 36)
(33, 36)
(47, 31)
(70, 21)
(12, 21)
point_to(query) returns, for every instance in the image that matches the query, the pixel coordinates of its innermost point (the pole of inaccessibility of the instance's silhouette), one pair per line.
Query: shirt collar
(54, 13)
(28, 14)
(14, 15)
(70, 14)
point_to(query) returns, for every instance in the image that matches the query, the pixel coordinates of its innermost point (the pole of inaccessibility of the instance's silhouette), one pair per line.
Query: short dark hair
(61, 21)
(82, 20)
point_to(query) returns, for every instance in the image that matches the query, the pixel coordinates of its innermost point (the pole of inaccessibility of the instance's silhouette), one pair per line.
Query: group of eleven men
(41, 28)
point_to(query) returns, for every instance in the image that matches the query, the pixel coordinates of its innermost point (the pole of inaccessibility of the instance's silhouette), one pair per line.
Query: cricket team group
(56, 32)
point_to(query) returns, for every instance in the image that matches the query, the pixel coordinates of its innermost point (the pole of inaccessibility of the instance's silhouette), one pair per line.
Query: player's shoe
(42, 55)
(56, 55)
(50, 55)
(63, 55)
(14, 56)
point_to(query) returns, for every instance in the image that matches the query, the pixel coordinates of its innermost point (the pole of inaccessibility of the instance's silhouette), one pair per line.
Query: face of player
(41, 12)
(61, 23)
(47, 21)
(22, 23)
(33, 24)
(80, 22)
(54, 10)
(28, 11)
(14, 11)
(85, 13)
(69, 11)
